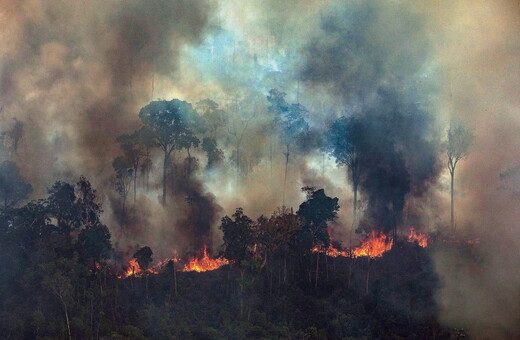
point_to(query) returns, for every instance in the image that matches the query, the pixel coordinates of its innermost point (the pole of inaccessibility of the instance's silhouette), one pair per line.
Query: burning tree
(459, 141)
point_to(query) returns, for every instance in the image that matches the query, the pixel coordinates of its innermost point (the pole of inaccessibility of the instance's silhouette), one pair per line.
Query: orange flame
(133, 268)
(375, 245)
(330, 251)
(421, 239)
(204, 263)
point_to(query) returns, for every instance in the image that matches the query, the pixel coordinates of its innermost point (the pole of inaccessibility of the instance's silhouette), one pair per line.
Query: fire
(204, 263)
(330, 251)
(421, 239)
(133, 268)
(375, 245)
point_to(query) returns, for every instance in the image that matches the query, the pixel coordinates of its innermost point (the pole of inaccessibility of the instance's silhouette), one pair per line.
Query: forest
(244, 169)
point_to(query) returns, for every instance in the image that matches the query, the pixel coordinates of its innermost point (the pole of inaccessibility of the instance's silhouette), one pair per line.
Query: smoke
(76, 73)
(375, 60)
(478, 49)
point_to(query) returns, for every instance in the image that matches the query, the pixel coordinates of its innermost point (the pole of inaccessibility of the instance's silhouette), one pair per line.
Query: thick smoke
(77, 72)
(375, 61)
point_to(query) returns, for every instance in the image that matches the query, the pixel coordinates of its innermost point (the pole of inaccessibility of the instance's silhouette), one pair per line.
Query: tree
(148, 142)
(290, 119)
(144, 257)
(237, 130)
(169, 122)
(275, 236)
(124, 175)
(215, 119)
(459, 142)
(215, 155)
(188, 141)
(134, 153)
(238, 236)
(239, 239)
(13, 188)
(340, 144)
(94, 243)
(73, 206)
(314, 214)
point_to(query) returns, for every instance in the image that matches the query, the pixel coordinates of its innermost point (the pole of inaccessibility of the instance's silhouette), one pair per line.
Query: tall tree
(315, 213)
(134, 152)
(239, 239)
(124, 174)
(94, 243)
(188, 141)
(13, 188)
(169, 121)
(215, 155)
(459, 141)
(290, 119)
(148, 142)
(340, 144)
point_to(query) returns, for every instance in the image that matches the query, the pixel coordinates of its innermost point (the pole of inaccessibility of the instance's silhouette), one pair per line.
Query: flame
(375, 245)
(204, 263)
(330, 251)
(133, 268)
(421, 239)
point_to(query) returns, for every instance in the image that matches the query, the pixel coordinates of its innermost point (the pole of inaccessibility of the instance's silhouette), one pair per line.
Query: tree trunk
(123, 213)
(317, 269)
(175, 277)
(135, 182)
(238, 161)
(189, 163)
(285, 175)
(241, 293)
(285, 269)
(368, 275)
(355, 184)
(165, 164)
(452, 173)
(66, 317)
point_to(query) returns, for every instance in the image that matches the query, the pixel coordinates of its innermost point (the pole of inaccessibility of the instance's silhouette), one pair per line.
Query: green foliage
(315, 213)
(238, 236)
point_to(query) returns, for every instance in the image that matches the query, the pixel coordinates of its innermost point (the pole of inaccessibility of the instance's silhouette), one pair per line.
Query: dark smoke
(374, 62)
(89, 67)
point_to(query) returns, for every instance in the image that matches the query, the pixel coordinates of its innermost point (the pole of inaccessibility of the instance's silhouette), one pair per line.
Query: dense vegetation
(59, 280)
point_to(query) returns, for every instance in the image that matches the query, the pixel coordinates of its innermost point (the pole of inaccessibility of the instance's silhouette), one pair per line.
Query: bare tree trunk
(285, 175)
(135, 182)
(123, 213)
(165, 164)
(66, 316)
(452, 173)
